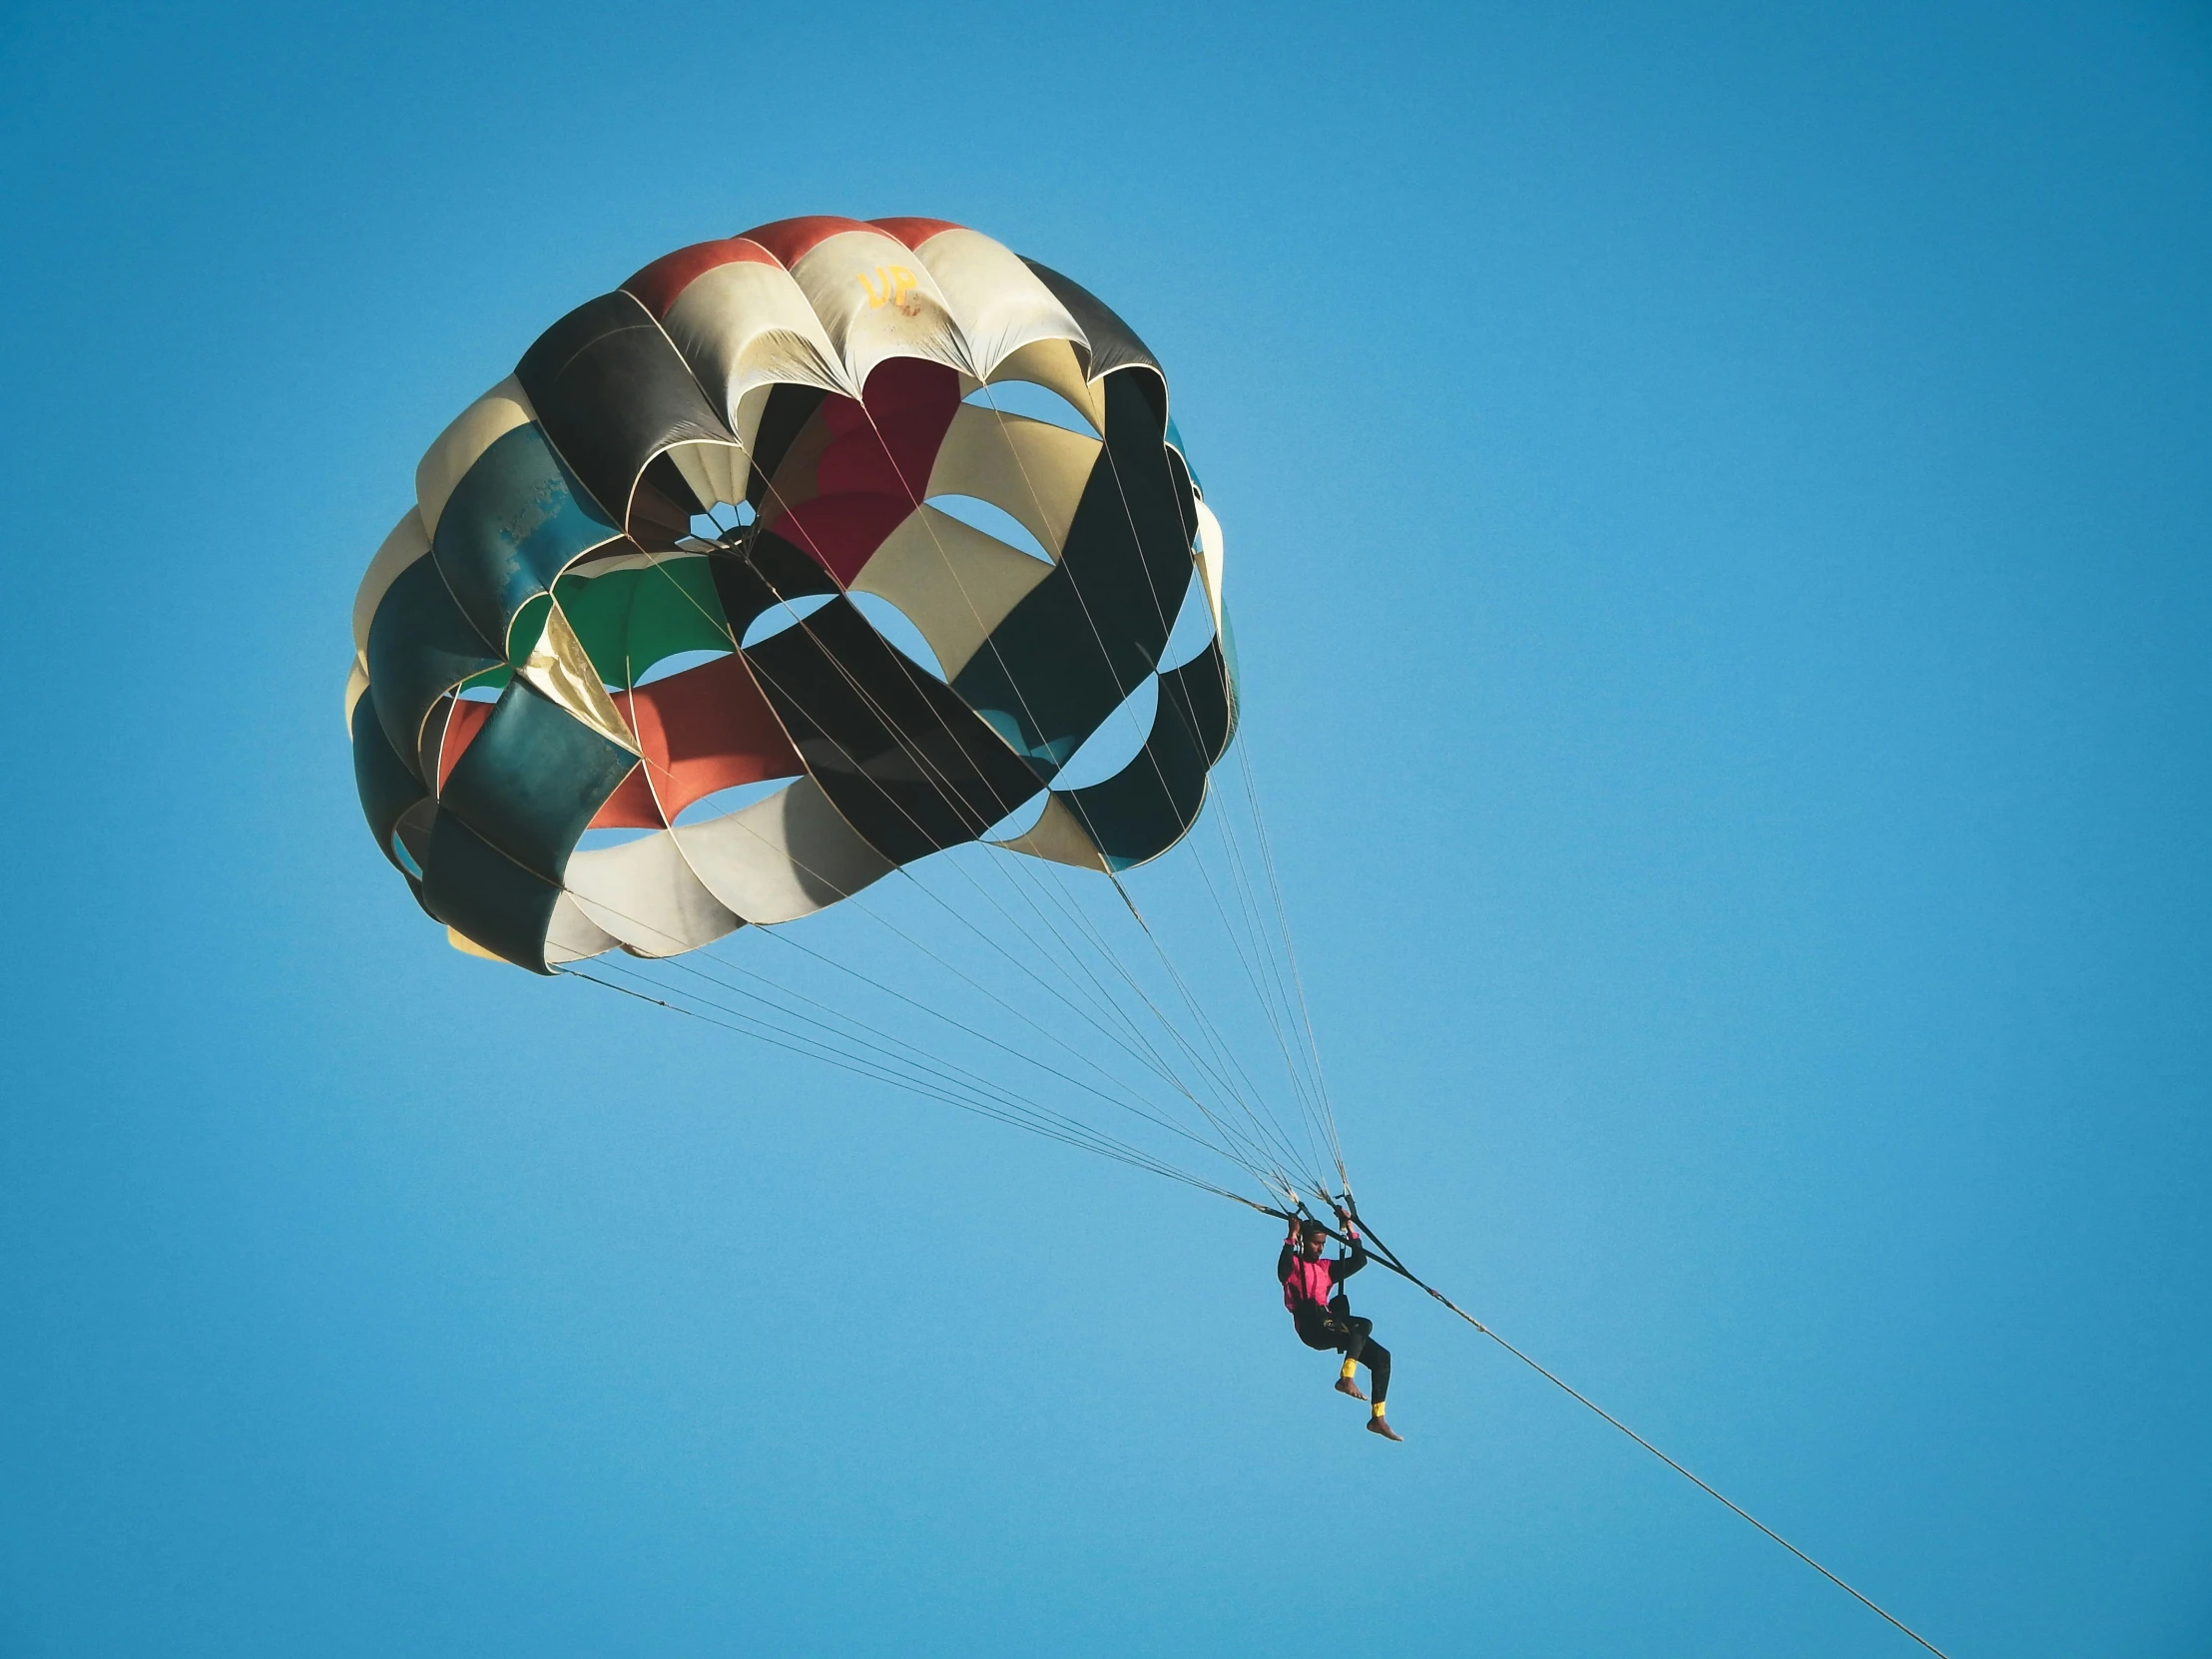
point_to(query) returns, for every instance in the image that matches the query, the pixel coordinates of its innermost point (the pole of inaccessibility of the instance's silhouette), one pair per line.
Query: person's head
(1312, 1237)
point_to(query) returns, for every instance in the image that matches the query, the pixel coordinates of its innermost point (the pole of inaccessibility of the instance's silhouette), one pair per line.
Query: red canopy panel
(790, 239)
(849, 484)
(463, 722)
(914, 231)
(631, 806)
(657, 285)
(842, 532)
(704, 730)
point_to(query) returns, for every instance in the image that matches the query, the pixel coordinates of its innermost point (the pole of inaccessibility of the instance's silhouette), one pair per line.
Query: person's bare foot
(1381, 1426)
(1344, 1386)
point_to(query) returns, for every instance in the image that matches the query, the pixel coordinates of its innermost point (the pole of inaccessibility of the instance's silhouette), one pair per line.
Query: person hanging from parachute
(1322, 1311)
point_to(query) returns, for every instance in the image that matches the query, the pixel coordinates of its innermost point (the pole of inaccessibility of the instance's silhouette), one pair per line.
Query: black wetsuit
(1335, 1325)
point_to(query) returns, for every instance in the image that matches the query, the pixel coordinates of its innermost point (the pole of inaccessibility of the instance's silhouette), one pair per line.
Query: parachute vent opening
(669, 666)
(1192, 631)
(721, 520)
(733, 800)
(992, 520)
(1117, 741)
(594, 841)
(1026, 398)
(485, 687)
(787, 613)
(1020, 820)
(410, 836)
(891, 622)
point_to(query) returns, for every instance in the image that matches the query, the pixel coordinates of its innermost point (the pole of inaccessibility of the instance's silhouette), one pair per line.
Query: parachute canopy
(646, 583)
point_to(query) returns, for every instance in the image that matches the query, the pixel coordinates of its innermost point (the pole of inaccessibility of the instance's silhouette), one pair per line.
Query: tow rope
(1380, 1252)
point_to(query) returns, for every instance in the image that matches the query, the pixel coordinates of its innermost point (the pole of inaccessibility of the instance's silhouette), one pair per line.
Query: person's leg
(1378, 1367)
(1356, 1333)
(1377, 1360)
(1352, 1341)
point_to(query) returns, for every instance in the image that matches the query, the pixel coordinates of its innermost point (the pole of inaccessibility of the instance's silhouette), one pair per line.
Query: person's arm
(1344, 1269)
(1284, 1262)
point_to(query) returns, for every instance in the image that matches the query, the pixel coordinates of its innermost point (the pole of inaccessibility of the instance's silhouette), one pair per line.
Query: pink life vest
(1306, 1282)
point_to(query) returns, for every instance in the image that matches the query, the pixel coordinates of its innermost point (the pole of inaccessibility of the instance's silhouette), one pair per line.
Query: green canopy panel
(636, 610)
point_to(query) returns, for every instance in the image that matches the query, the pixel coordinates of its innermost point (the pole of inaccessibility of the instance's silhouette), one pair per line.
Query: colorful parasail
(648, 577)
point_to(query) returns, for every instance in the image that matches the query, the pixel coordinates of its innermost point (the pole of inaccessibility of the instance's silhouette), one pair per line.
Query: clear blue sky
(1718, 512)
